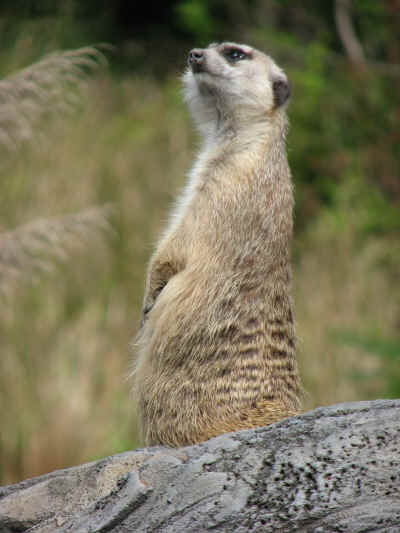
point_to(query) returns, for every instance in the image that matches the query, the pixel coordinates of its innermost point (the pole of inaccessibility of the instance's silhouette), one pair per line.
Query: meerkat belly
(215, 352)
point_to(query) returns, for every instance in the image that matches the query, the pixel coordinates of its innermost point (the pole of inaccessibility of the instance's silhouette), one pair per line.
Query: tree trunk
(334, 469)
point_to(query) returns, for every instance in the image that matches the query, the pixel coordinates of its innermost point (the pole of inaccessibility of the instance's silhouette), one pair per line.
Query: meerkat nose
(196, 59)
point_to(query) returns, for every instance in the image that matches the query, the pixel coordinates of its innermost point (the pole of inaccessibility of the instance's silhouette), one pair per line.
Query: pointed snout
(196, 59)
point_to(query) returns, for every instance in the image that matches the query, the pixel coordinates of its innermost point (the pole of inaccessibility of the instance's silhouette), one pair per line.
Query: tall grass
(64, 339)
(345, 284)
(52, 85)
(36, 247)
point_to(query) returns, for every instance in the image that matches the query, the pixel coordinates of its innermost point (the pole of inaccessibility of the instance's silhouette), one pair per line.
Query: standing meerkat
(217, 341)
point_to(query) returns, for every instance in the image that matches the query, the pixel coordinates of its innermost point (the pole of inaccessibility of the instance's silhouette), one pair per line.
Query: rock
(332, 470)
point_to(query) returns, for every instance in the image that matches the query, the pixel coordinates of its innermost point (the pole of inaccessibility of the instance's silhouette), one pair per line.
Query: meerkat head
(233, 84)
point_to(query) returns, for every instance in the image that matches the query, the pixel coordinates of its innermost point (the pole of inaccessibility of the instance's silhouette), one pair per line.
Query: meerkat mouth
(196, 68)
(201, 71)
(203, 75)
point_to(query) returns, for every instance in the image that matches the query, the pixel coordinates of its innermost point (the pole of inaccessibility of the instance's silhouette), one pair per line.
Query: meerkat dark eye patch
(233, 55)
(281, 90)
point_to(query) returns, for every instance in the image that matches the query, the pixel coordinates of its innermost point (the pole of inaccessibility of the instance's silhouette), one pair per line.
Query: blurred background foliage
(71, 275)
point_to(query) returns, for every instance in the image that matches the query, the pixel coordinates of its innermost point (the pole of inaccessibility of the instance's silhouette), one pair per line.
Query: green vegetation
(91, 158)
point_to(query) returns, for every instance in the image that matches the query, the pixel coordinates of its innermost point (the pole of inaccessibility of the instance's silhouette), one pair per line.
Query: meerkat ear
(281, 90)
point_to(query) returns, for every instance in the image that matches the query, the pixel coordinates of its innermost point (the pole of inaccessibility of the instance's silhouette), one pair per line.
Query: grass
(341, 286)
(65, 328)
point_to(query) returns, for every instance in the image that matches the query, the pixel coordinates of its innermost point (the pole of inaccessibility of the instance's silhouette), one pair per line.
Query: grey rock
(332, 470)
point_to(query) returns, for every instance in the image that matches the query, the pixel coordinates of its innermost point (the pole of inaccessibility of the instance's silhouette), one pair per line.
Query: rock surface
(332, 470)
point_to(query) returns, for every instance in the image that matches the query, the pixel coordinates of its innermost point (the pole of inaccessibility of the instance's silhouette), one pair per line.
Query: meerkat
(216, 348)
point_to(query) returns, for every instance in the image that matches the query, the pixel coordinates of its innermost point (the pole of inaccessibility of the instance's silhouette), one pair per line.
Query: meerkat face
(231, 81)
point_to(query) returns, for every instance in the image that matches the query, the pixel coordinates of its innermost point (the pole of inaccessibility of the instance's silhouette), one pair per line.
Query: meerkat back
(216, 347)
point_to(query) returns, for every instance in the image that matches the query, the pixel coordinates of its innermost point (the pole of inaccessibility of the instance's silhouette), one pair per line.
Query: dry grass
(64, 341)
(38, 246)
(341, 286)
(52, 85)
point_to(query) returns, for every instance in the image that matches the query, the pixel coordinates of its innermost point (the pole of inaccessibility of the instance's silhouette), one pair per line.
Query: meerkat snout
(196, 59)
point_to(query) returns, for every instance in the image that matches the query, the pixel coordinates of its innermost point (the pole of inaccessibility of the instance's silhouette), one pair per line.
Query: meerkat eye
(235, 54)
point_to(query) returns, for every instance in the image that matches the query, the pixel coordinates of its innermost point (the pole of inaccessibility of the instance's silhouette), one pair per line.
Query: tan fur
(217, 342)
